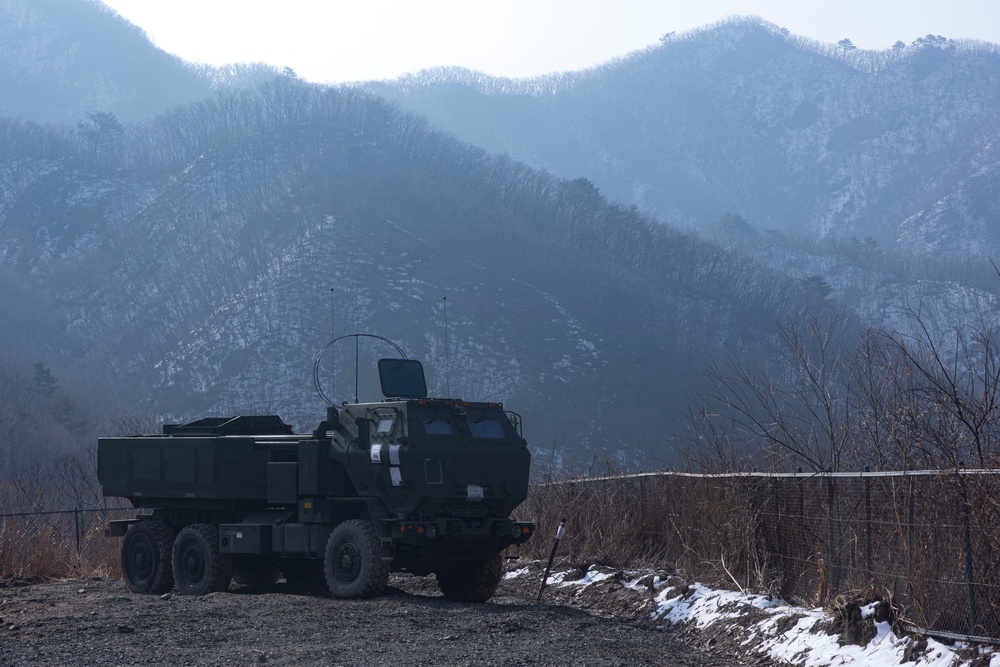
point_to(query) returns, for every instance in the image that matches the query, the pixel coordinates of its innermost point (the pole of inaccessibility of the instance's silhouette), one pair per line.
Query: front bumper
(451, 539)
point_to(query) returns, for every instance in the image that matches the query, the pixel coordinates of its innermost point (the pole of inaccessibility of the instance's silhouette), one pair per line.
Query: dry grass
(809, 539)
(914, 538)
(39, 541)
(48, 545)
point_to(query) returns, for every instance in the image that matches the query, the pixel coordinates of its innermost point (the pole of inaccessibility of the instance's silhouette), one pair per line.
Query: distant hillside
(63, 59)
(191, 263)
(817, 141)
(194, 261)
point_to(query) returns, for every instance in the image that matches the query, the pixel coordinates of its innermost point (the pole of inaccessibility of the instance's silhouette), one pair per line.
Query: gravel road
(99, 622)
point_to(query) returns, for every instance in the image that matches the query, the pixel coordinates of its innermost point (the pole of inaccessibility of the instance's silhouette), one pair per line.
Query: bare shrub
(922, 540)
(885, 401)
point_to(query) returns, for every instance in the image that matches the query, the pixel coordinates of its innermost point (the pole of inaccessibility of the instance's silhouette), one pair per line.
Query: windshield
(486, 429)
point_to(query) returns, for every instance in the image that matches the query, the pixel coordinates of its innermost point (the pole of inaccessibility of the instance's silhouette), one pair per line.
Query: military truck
(407, 484)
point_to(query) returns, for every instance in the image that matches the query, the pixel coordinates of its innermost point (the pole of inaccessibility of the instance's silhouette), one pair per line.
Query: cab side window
(438, 427)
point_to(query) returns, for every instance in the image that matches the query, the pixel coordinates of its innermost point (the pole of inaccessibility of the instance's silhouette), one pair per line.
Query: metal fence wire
(61, 543)
(927, 540)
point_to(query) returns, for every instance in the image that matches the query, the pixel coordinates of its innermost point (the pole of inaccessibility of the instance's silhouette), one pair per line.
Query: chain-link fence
(929, 540)
(61, 543)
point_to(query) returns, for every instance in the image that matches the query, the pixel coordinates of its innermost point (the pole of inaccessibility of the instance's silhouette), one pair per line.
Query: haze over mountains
(741, 117)
(60, 60)
(872, 170)
(185, 250)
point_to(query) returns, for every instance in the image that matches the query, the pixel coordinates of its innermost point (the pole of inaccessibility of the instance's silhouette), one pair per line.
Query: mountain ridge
(60, 61)
(194, 261)
(741, 117)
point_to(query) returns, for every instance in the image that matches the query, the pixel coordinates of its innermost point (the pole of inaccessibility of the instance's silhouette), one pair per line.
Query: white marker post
(552, 556)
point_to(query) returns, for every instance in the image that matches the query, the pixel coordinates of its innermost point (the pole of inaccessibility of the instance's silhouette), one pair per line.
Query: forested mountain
(743, 118)
(194, 262)
(190, 262)
(63, 59)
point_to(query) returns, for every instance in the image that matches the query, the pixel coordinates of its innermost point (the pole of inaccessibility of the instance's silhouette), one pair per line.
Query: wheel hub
(349, 560)
(194, 565)
(142, 560)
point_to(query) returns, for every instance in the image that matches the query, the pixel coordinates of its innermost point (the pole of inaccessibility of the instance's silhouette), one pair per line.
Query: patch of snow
(516, 573)
(774, 629)
(804, 643)
(590, 577)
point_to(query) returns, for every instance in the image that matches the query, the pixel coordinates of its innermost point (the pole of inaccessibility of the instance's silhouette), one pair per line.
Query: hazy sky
(346, 40)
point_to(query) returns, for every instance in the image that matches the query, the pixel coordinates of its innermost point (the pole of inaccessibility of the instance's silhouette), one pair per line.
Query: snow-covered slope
(199, 262)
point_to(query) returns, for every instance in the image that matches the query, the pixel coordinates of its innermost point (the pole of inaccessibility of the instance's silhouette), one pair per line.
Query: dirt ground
(100, 622)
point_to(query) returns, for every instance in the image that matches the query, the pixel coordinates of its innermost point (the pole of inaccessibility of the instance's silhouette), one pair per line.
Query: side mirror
(332, 416)
(364, 433)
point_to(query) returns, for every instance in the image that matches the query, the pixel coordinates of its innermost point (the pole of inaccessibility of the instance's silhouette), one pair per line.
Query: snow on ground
(796, 635)
(751, 625)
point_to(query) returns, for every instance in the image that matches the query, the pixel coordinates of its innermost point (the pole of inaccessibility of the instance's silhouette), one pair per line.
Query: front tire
(470, 580)
(353, 563)
(146, 552)
(199, 566)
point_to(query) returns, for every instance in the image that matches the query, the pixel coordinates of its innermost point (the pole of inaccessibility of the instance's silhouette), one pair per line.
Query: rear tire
(199, 567)
(146, 553)
(353, 564)
(470, 580)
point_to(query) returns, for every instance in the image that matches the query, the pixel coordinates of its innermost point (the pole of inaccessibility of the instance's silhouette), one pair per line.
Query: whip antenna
(447, 355)
(333, 335)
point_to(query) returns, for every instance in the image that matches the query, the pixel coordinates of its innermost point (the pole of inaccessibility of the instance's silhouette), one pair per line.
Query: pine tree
(846, 44)
(44, 383)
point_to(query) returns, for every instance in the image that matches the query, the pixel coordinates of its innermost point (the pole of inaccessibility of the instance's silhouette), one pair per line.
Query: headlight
(519, 530)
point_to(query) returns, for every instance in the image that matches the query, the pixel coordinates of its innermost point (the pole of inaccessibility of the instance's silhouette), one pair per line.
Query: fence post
(831, 535)
(642, 505)
(910, 527)
(799, 482)
(754, 516)
(868, 524)
(778, 559)
(76, 520)
(967, 539)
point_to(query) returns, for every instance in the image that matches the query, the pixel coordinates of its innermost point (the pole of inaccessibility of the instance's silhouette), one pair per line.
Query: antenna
(329, 347)
(333, 336)
(447, 355)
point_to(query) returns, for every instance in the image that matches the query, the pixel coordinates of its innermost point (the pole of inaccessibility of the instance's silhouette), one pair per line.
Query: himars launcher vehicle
(410, 483)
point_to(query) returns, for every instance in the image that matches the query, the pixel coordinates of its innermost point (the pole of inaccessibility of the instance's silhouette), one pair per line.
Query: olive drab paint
(409, 484)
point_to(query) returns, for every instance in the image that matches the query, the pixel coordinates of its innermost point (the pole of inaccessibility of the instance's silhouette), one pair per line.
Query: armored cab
(410, 483)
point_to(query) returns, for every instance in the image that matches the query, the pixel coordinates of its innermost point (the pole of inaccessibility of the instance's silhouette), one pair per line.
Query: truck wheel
(199, 567)
(470, 580)
(353, 565)
(255, 571)
(146, 557)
